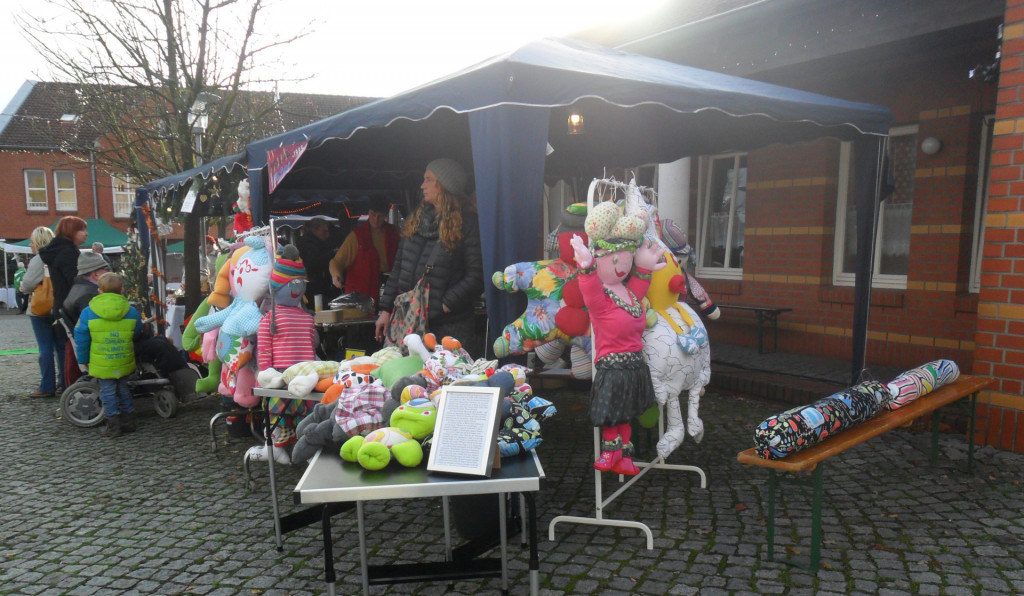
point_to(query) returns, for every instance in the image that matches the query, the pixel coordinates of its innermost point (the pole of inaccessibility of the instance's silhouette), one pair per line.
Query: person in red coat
(368, 251)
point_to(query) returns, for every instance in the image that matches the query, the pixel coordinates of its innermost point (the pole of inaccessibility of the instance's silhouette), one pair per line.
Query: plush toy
(919, 381)
(410, 423)
(300, 378)
(443, 362)
(355, 409)
(678, 354)
(243, 216)
(238, 323)
(804, 426)
(622, 387)
(554, 318)
(286, 336)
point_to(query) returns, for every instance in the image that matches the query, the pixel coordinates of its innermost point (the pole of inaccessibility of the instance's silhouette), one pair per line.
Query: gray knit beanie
(450, 174)
(89, 262)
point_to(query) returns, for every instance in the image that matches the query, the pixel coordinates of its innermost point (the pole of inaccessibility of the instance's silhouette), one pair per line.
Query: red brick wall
(1000, 329)
(791, 219)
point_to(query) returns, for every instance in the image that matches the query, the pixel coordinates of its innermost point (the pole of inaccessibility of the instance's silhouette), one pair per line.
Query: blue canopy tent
(499, 117)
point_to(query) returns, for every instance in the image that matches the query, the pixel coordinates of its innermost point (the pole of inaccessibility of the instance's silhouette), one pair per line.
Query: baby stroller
(80, 403)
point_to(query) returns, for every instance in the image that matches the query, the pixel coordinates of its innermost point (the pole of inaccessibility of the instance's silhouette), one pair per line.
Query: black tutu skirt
(622, 389)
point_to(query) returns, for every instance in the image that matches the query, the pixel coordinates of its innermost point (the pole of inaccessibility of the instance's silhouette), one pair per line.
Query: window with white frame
(35, 190)
(892, 240)
(64, 185)
(981, 203)
(124, 194)
(723, 215)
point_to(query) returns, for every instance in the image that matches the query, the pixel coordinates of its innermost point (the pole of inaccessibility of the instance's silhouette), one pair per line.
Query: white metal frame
(598, 191)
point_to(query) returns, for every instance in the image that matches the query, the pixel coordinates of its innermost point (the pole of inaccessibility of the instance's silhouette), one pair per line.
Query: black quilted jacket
(456, 279)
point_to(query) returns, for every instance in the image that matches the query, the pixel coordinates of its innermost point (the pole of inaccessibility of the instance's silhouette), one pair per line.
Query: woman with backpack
(37, 283)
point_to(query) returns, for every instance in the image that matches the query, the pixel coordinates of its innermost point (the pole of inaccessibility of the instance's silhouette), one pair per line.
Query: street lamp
(199, 117)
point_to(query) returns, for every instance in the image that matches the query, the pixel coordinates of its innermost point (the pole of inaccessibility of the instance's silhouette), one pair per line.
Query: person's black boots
(184, 383)
(113, 427)
(127, 422)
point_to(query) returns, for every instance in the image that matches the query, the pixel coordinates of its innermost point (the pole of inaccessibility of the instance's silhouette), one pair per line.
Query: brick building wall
(999, 339)
(791, 221)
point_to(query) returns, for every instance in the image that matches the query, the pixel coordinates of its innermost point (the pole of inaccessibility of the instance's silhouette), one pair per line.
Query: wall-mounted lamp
(575, 123)
(931, 146)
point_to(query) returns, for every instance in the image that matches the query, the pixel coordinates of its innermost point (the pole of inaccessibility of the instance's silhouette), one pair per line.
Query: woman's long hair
(70, 225)
(449, 209)
(40, 237)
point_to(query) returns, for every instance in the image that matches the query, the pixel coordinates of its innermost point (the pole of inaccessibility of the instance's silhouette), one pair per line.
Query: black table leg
(325, 529)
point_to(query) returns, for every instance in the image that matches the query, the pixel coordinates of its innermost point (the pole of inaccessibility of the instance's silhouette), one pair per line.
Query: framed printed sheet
(466, 434)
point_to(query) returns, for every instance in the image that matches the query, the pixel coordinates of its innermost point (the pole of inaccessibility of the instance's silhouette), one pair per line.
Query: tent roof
(99, 231)
(687, 111)
(206, 170)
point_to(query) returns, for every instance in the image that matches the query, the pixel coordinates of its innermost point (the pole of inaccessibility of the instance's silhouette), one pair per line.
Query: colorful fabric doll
(286, 336)
(678, 353)
(243, 217)
(622, 388)
(250, 268)
(410, 423)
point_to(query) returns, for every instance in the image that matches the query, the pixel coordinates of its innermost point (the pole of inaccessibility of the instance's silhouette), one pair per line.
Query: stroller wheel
(80, 404)
(165, 402)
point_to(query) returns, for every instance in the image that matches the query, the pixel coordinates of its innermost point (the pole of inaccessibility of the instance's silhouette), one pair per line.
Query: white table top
(329, 479)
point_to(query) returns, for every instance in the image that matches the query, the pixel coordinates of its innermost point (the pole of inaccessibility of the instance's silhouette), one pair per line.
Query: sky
(371, 47)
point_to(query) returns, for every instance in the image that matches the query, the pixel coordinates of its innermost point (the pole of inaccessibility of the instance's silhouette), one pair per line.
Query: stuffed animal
(622, 387)
(410, 423)
(355, 409)
(243, 216)
(554, 318)
(300, 378)
(286, 336)
(238, 323)
(678, 354)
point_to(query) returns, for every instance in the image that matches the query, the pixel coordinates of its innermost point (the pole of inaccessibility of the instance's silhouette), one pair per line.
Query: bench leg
(973, 404)
(772, 483)
(816, 519)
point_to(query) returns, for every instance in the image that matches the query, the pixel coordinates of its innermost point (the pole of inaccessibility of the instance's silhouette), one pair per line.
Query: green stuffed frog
(410, 423)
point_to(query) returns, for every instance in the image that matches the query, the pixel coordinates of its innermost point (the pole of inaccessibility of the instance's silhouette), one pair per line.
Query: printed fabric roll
(804, 426)
(919, 381)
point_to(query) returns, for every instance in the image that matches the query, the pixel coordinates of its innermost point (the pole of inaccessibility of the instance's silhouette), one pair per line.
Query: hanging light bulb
(575, 123)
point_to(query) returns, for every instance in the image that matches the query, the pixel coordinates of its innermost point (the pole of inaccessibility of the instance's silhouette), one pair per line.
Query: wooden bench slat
(807, 459)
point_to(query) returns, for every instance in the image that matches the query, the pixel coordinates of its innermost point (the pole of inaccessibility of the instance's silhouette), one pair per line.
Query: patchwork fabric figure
(243, 217)
(622, 388)
(804, 426)
(678, 353)
(249, 268)
(920, 381)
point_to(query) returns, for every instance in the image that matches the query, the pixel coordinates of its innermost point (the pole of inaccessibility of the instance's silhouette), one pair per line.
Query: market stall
(508, 118)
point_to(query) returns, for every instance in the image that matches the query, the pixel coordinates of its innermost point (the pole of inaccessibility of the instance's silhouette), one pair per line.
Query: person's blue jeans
(116, 396)
(42, 327)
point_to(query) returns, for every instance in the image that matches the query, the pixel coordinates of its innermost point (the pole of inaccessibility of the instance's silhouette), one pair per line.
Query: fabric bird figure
(678, 354)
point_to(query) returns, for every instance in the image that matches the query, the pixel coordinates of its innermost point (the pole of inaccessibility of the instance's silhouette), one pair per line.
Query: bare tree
(164, 84)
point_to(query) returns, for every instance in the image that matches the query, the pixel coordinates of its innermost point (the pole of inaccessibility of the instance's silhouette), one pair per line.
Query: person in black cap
(446, 219)
(368, 251)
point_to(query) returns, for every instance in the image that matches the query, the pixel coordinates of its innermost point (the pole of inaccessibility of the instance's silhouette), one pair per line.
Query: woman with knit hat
(447, 220)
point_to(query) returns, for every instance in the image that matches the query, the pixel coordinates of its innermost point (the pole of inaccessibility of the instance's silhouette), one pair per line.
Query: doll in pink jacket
(612, 290)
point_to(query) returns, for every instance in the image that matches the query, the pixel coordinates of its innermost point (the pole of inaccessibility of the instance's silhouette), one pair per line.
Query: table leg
(760, 331)
(503, 532)
(325, 531)
(816, 519)
(973, 400)
(534, 560)
(363, 567)
(268, 433)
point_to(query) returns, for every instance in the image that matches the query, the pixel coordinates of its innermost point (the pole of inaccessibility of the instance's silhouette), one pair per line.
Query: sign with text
(281, 160)
(466, 432)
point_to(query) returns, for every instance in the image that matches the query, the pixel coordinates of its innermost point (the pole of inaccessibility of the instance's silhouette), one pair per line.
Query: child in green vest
(104, 345)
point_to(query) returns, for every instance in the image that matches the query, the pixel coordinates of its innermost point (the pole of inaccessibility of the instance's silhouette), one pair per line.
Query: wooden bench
(765, 315)
(812, 458)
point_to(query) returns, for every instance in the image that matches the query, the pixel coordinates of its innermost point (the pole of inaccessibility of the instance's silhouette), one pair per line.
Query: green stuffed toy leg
(409, 453)
(350, 450)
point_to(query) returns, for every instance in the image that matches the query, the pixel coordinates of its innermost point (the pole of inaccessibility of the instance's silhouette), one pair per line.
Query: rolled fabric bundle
(916, 382)
(804, 426)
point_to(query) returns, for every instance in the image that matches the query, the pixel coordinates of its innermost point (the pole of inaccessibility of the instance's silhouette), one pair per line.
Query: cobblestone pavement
(158, 512)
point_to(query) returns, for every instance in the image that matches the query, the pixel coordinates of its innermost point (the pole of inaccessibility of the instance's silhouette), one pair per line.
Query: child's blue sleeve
(82, 337)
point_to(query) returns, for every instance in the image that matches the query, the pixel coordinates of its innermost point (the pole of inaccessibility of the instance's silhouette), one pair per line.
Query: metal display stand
(608, 189)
